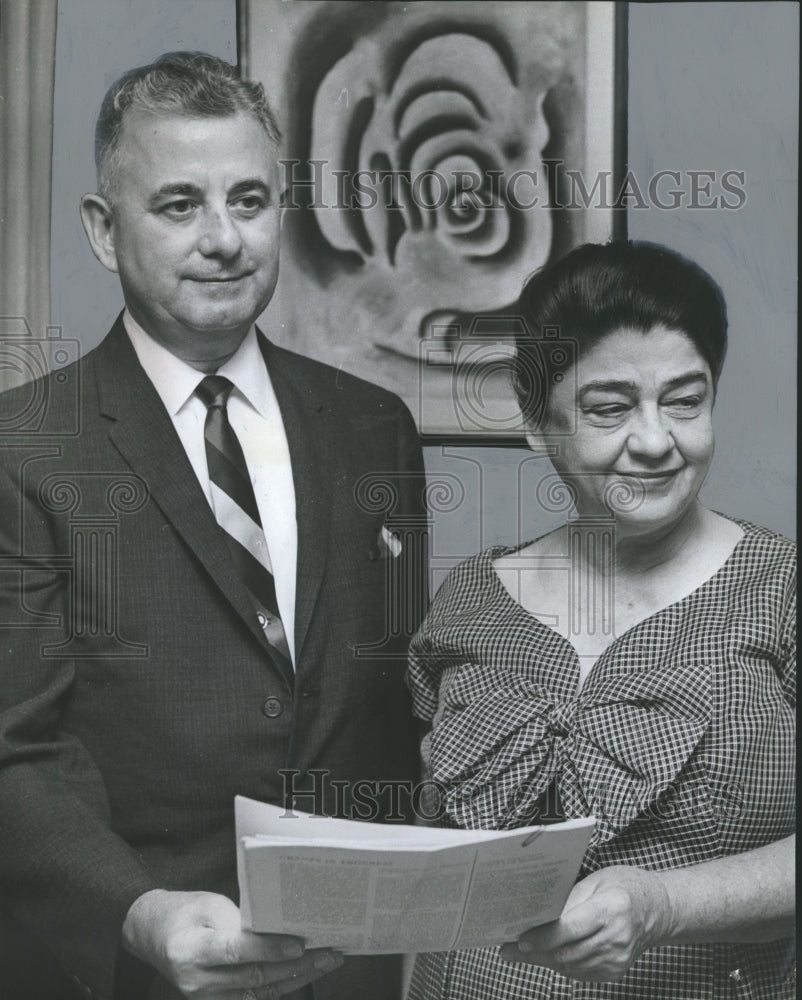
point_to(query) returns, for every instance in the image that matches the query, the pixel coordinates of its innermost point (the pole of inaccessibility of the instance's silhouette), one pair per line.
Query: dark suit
(138, 693)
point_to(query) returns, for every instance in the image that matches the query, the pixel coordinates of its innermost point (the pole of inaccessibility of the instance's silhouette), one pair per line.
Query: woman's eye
(608, 410)
(685, 402)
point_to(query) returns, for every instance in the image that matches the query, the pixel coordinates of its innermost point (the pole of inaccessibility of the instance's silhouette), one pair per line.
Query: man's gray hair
(188, 84)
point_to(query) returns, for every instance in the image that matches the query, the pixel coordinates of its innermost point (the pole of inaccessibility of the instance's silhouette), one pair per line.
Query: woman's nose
(219, 236)
(650, 435)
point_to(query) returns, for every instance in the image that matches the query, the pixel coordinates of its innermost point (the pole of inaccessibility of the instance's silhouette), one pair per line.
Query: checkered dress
(680, 742)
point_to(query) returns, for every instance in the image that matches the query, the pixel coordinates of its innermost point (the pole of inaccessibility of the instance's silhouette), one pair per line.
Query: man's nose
(220, 235)
(650, 434)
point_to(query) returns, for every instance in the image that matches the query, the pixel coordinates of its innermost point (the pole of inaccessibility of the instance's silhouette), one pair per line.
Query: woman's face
(633, 428)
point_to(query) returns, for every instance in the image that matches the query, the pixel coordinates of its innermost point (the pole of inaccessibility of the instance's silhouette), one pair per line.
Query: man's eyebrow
(185, 189)
(248, 185)
(182, 188)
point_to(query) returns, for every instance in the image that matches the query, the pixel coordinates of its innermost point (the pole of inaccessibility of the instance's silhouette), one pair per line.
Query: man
(195, 575)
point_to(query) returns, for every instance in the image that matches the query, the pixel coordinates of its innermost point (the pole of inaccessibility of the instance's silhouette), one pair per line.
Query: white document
(369, 889)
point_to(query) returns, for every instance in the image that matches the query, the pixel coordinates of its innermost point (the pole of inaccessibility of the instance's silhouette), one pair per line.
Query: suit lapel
(142, 432)
(312, 464)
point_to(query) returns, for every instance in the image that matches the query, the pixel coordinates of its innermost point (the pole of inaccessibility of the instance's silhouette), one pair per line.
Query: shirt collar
(175, 381)
(247, 370)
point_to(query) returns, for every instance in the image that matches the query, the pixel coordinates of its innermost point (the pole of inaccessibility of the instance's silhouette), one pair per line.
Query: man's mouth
(218, 279)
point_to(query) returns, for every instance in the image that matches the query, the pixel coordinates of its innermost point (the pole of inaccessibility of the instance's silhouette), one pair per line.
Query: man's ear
(96, 216)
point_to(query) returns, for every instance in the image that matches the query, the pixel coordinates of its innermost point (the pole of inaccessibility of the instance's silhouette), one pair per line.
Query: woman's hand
(609, 918)
(616, 913)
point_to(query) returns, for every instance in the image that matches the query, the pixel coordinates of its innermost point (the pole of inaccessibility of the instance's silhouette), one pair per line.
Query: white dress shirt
(254, 414)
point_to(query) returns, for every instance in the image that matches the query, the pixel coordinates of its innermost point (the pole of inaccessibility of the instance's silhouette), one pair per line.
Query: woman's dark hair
(570, 304)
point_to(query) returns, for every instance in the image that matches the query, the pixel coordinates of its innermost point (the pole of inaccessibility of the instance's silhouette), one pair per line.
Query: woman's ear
(537, 436)
(534, 439)
(98, 222)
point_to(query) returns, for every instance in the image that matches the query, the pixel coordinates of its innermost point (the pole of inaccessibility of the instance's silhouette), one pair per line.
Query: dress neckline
(673, 608)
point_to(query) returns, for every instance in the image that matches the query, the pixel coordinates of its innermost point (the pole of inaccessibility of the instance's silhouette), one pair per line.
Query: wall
(96, 42)
(711, 87)
(715, 87)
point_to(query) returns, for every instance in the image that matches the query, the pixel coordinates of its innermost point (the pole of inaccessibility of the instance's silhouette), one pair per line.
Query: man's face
(194, 230)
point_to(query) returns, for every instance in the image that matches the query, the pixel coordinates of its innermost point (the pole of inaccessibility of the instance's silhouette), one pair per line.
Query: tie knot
(214, 390)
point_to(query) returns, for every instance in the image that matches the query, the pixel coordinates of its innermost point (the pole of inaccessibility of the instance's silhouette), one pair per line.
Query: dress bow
(500, 741)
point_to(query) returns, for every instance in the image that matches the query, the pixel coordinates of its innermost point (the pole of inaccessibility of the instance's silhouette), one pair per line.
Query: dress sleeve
(487, 755)
(491, 747)
(787, 664)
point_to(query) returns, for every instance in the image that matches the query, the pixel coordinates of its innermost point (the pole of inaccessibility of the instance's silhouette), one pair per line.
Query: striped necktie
(235, 508)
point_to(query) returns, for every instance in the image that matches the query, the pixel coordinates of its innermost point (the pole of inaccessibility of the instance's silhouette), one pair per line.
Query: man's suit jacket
(138, 694)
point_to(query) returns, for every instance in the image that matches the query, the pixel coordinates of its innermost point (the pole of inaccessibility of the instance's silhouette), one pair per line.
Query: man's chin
(218, 319)
(224, 310)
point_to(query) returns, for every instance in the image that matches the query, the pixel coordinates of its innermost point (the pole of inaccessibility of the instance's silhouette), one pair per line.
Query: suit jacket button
(272, 708)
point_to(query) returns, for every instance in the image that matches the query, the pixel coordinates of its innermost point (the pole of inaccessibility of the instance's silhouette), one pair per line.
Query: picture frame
(433, 156)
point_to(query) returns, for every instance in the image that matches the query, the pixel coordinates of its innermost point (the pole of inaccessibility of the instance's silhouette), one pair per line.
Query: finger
(525, 951)
(221, 939)
(226, 949)
(245, 946)
(314, 964)
(323, 963)
(512, 952)
(289, 986)
(591, 959)
(574, 925)
(260, 975)
(265, 993)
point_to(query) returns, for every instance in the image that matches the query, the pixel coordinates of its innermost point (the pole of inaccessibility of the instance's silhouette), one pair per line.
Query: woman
(649, 682)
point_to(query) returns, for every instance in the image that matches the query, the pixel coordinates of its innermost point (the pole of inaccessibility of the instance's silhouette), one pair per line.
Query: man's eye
(249, 205)
(179, 209)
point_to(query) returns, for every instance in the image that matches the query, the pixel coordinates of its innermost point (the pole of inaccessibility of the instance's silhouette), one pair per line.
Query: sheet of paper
(369, 889)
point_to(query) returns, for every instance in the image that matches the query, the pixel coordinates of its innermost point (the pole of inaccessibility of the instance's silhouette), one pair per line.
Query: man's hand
(609, 919)
(194, 939)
